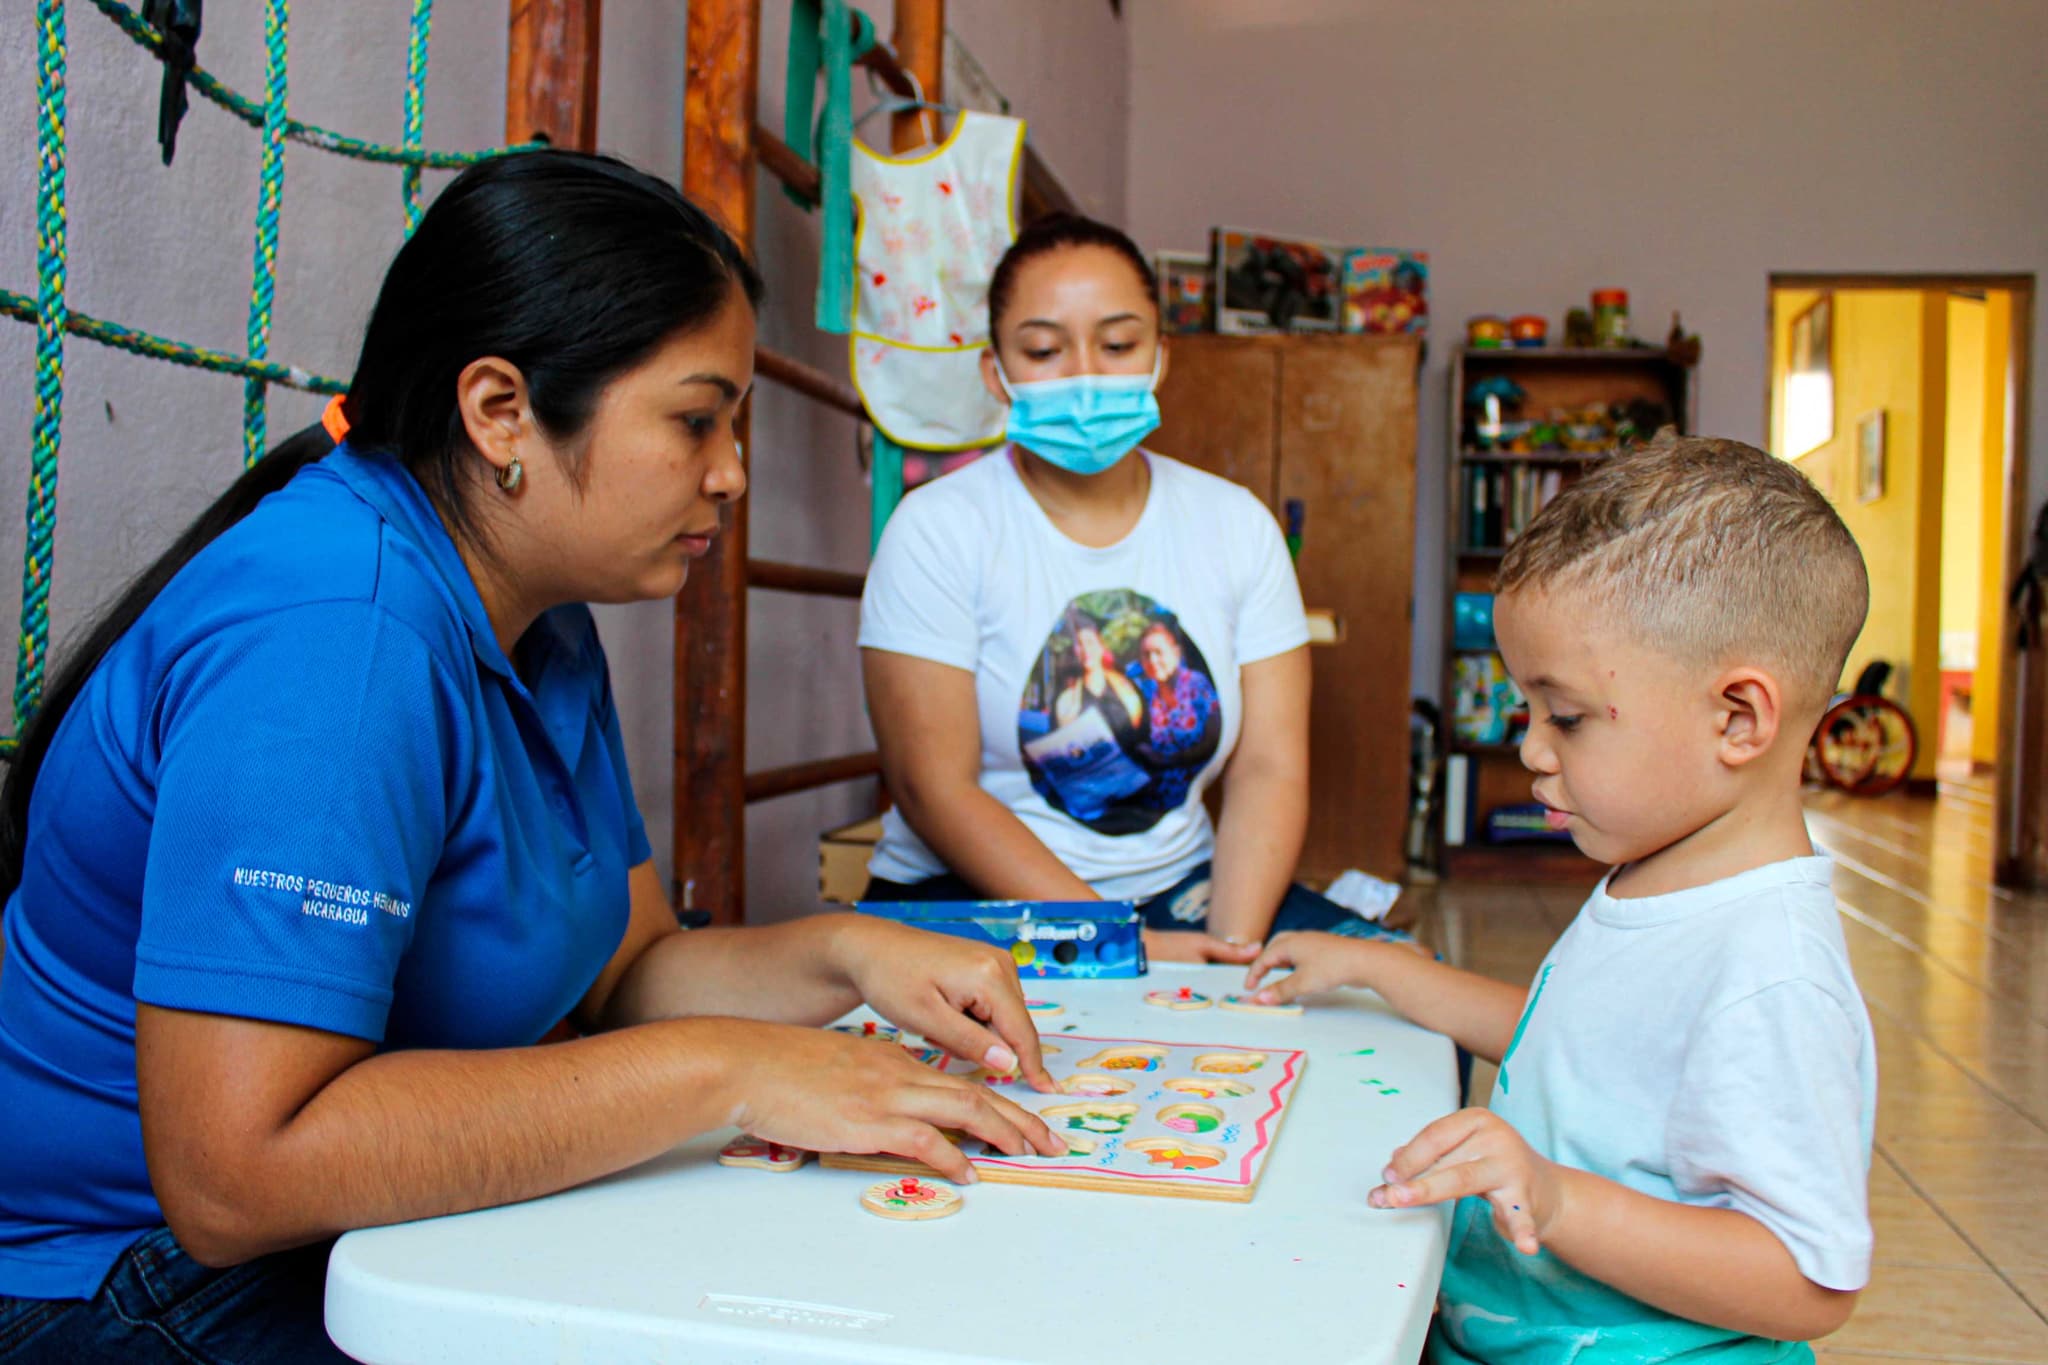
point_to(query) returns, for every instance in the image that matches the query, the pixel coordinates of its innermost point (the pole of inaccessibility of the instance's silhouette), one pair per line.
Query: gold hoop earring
(510, 475)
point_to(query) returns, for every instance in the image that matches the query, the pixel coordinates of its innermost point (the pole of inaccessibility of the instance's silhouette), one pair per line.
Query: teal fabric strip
(886, 486)
(835, 176)
(800, 82)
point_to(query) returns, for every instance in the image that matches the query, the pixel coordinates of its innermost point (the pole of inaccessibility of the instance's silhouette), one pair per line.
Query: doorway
(1904, 398)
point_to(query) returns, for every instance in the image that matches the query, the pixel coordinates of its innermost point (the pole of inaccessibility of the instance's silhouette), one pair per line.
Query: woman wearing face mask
(1069, 546)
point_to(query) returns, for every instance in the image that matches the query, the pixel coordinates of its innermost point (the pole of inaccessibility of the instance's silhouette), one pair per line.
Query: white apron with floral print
(931, 227)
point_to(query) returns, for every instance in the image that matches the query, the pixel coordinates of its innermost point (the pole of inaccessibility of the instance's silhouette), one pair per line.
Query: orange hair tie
(334, 420)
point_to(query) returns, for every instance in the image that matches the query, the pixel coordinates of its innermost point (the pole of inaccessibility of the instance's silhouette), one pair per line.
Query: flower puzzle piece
(1180, 998)
(761, 1154)
(1244, 1004)
(869, 1028)
(911, 1199)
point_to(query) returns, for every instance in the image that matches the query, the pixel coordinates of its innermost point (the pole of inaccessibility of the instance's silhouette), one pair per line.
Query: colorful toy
(1385, 290)
(1198, 1120)
(1487, 332)
(1527, 329)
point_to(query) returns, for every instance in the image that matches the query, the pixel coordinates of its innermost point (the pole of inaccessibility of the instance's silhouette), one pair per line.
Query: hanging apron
(932, 226)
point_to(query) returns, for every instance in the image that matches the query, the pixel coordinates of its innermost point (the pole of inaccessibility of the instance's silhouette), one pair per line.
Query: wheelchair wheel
(1866, 745)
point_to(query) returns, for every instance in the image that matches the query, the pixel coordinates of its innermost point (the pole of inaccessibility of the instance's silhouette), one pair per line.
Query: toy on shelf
(1527, 330)
(1489, 405)
(1610, 317)
(1486, 332)
(1578, 328)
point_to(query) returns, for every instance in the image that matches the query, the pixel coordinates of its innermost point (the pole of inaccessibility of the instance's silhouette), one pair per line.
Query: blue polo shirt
(309, 787)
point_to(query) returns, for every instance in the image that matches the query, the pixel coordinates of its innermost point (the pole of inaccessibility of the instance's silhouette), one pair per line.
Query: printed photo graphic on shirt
(1119, 715)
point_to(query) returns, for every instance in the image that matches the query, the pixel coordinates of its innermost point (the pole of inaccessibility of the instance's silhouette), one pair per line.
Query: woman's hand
(1192, 945)
(833, 1092)
(962, 996)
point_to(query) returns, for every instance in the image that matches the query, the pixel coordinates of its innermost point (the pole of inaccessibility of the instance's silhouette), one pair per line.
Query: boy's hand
(1476, 1151)
(1320, 961)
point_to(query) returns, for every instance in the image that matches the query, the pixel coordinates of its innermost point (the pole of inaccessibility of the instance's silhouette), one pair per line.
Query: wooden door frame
(2020, 837)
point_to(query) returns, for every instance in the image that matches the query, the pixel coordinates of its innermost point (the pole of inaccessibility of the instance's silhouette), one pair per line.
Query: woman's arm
(929, 732)
(262, 1136)
(1265, 799)
(963, 996)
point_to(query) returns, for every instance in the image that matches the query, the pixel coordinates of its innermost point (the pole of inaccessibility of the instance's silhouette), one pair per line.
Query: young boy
(1675, 1160)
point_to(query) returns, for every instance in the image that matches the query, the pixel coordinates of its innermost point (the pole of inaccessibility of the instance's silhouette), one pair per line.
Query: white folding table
(684, 1260)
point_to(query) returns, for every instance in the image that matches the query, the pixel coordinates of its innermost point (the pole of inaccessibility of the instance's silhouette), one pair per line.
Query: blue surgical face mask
(1084, 423)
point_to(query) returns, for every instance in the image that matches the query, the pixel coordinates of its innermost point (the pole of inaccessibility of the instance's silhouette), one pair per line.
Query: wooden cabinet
(1328, 421)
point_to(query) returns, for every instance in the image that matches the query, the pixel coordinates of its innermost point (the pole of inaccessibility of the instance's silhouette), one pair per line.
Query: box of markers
(1049, 940)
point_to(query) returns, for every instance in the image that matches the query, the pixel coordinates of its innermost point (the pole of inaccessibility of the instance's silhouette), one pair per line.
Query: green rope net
(52, 317)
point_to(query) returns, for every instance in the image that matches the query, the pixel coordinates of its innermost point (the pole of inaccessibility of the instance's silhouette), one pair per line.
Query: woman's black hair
(572, 267)
(1052, 232)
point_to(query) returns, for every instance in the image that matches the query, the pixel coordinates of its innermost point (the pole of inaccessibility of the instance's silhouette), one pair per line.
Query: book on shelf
(1457, 800)
(1502, 499)
(1486, 706)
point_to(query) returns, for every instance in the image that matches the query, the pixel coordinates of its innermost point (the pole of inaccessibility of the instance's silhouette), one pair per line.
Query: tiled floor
(1955, 971)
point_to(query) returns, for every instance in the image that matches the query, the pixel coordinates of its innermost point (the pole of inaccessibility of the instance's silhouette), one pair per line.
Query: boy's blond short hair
(1713, 551)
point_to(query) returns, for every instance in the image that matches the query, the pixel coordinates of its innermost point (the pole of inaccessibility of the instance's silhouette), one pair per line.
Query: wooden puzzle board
(1188, 1120)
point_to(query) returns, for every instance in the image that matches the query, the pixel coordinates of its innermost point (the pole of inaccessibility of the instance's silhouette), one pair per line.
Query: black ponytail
(573, 267)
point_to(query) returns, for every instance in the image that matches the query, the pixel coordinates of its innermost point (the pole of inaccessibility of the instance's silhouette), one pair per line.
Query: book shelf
(1499, 478)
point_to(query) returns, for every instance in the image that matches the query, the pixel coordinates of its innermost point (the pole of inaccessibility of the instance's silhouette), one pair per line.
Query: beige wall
(1682, 149)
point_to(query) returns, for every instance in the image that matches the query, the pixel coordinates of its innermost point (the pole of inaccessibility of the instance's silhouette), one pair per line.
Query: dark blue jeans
(1184, 905)
(159, 1305)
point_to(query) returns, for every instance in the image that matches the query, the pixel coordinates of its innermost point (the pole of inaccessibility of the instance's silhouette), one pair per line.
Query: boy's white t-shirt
(1102, 747)
(1708, 1047)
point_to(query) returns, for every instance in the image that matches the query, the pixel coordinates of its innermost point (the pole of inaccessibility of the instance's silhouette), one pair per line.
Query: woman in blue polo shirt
(328, 822)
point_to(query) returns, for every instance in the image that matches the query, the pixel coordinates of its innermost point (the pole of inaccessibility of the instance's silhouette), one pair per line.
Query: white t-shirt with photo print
(1107, 680)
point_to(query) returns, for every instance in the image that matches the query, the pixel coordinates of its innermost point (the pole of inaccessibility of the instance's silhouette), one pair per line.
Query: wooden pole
(919, 41)
(551, 72)
(720, 93)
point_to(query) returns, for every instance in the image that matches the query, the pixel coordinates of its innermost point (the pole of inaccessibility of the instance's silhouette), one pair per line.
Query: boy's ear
(1752, 708)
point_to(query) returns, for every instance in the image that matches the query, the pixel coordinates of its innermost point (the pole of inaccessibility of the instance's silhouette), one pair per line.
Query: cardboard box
(1050, 940)
(843, 860)
(1268, 282)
